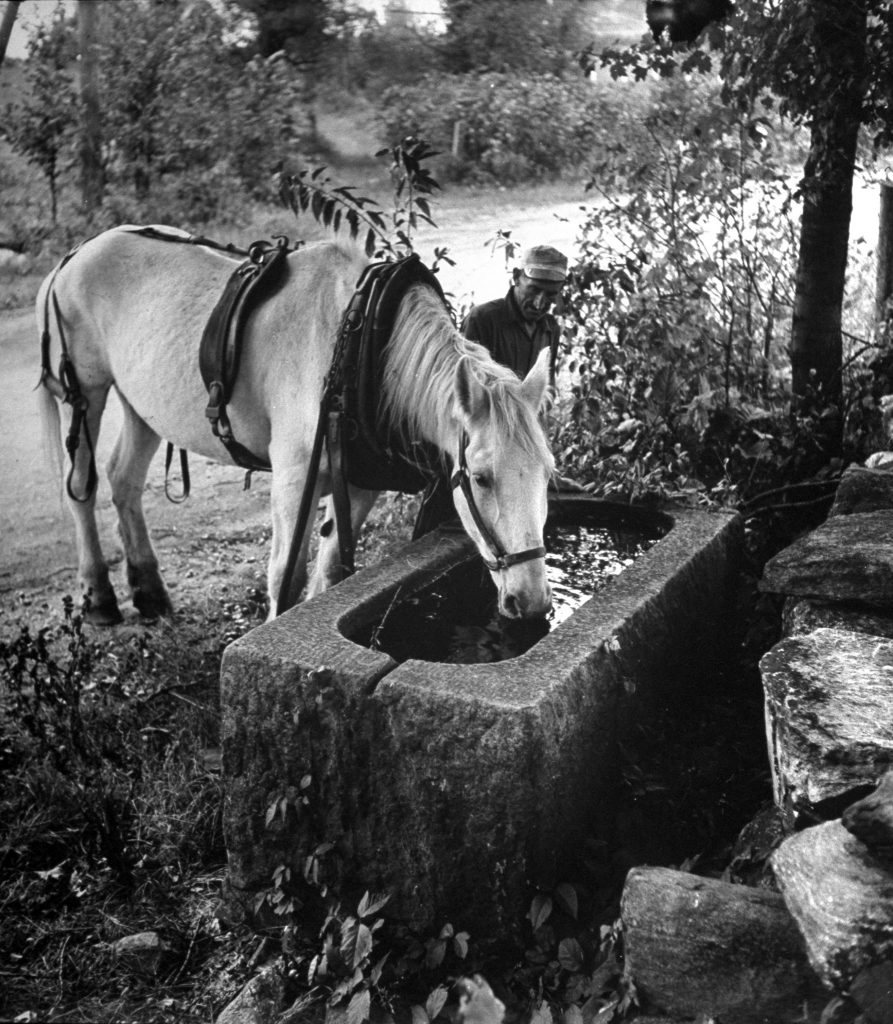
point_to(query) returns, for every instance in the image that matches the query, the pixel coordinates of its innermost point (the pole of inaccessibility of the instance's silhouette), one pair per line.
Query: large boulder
(841, 897)
(829, 719)
(863, 489)
(697, 946)
(802, 615)
(848, 558)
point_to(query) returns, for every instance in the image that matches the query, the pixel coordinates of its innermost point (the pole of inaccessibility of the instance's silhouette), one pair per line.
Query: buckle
(215, 397)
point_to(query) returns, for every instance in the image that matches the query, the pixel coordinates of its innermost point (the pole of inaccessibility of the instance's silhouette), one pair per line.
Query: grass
(147, 771)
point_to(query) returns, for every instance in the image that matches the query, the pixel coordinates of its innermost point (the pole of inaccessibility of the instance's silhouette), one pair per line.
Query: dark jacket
(500, 328)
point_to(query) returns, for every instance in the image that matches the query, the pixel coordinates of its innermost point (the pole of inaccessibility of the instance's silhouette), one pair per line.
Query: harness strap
(221, 345)
(501, 558)
(283, 602)
(177, 499)
(340, 495)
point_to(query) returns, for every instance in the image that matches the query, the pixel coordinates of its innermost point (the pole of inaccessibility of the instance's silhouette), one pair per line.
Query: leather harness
(501, 558)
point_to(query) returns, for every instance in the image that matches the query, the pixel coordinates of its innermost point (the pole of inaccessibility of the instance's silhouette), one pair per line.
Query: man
(514, 329)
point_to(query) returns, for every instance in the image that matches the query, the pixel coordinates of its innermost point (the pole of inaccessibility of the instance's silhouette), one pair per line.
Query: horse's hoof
(105, 614)
(152, 605)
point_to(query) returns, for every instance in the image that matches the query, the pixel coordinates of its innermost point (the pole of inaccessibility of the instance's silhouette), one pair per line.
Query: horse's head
(502, 471)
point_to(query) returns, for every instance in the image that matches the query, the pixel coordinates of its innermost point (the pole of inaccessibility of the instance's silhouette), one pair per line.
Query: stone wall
(828, 697)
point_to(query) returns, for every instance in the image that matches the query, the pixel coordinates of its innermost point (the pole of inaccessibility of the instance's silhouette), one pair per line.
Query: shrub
(678, 311)
(511, 127)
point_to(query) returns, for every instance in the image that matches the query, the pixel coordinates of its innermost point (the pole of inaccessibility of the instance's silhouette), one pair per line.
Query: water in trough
(453, 618)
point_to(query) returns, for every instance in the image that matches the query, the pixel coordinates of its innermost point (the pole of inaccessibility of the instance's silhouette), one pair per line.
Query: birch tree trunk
(9, 16)
(90, 150)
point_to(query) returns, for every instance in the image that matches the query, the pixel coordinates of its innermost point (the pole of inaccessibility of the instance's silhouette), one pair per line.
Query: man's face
(535, 296)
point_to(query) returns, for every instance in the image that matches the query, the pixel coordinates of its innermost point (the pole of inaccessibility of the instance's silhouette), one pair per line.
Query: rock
(142, 952)
(865, 488)
(841, 897)
(829, 719)
(698, 946)
(749, 864)
(848, 558)
(260, 1002)
(802, 615)
(871, 819)
(879, 460)
(872, 991)
(14, 262)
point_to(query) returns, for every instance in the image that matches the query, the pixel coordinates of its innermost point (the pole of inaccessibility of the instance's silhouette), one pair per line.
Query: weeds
(111, 813)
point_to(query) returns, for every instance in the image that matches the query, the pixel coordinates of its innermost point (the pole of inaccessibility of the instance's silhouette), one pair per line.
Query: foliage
(312, 191)
(529, 36)
(57, 703)
(304, 29)
(188, 117)
(111, 816)
(373, 57)
(781, 53)
(803, 55)
(41, 128)
(155, 98)
(826, 65)
(677, 314)
(511, 127)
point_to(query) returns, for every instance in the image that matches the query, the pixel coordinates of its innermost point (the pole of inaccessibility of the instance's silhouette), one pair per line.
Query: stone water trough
(455, 787)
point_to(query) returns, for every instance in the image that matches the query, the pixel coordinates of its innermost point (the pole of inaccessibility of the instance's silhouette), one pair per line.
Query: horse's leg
(127, 470)
(93, 572)
(286, 490)
(327, 566)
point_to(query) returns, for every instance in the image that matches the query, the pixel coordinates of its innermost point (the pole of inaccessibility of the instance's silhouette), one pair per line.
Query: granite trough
(456, 788)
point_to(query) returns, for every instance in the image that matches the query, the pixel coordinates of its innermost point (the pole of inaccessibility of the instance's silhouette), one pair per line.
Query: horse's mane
(418, 380)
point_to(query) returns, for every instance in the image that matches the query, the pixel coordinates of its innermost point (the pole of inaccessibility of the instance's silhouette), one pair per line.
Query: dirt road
(215, 545)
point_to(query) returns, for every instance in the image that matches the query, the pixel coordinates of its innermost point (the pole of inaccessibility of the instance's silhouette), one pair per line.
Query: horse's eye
(483, 481)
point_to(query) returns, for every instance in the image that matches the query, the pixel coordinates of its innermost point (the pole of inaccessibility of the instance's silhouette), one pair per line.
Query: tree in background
(41, 128)
(9, 16)
(531, 36)
(297, 28)
(829, 64)
(826, 65)
(91, 167)
(184, 117)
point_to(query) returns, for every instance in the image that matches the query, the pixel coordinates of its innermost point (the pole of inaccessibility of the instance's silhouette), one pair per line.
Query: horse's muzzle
(524, 602)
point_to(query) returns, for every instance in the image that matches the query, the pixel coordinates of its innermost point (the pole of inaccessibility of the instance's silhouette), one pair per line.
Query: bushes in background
(511, 127)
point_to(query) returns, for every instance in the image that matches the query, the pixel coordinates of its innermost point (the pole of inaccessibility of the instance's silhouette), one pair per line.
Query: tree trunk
(884, 288)
(9, 17)
(816, 343)
(91, 169)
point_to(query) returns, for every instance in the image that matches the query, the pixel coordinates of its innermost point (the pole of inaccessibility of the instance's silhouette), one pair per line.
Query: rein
(501, 558)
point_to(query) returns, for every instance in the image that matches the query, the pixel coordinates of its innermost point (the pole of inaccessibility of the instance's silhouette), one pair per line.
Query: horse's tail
(49, 388)
(51, 430)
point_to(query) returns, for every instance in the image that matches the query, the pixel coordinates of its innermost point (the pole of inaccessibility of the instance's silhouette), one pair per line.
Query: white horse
(132, 309)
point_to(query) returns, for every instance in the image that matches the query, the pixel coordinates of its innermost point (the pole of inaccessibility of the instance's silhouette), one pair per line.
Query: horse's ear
(534, 385)
(471, 396)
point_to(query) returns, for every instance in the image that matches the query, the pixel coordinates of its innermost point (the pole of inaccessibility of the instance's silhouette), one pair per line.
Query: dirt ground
(213, 547)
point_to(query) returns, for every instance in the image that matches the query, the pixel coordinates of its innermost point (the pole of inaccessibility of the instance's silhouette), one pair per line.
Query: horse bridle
(501, 558)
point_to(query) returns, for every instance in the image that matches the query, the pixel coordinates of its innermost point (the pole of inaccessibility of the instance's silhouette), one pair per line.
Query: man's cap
(545, 263)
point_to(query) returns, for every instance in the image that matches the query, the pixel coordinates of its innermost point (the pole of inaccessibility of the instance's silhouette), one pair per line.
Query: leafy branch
(311, 191)
(388, 237)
